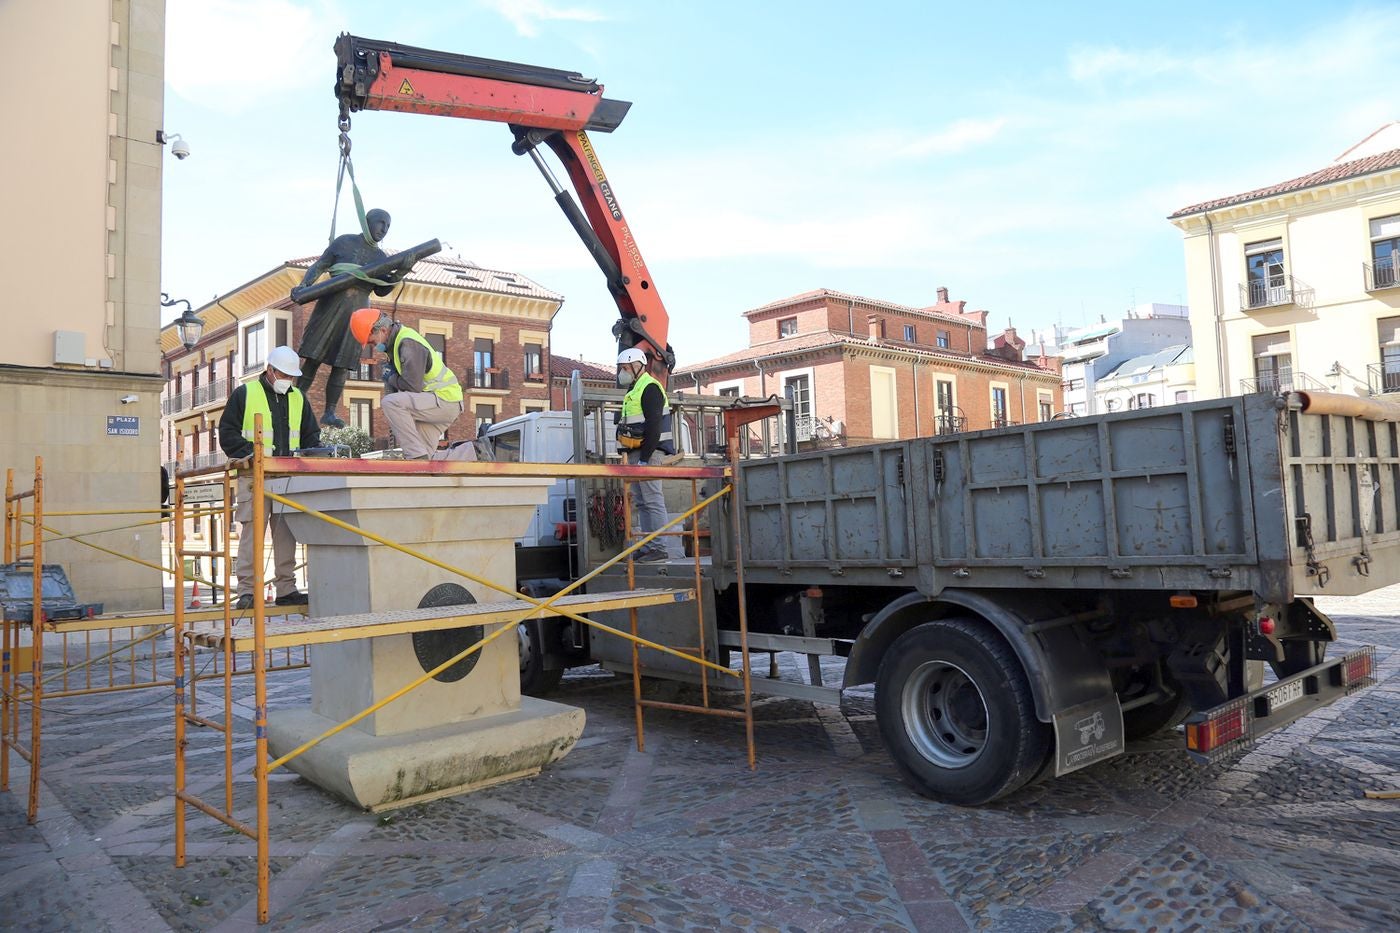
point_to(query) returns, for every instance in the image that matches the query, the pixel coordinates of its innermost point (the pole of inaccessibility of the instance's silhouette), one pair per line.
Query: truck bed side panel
(1343, 503)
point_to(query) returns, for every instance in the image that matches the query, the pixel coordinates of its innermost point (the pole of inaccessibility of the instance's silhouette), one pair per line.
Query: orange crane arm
(541, 106)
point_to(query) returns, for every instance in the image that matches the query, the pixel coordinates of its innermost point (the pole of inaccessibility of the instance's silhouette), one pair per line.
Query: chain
(1314, 568)
(344, 125)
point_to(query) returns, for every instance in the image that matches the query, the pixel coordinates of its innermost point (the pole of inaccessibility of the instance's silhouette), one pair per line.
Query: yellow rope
(503, 627)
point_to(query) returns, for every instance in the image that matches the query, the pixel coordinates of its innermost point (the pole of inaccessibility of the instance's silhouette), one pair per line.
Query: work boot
(294, 598)
(244, 602)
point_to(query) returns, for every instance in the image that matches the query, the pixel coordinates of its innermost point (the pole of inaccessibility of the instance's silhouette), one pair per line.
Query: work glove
(241, 463)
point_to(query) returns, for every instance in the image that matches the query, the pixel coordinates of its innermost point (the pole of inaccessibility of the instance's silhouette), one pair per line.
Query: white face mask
(281, 386)
(625, 378)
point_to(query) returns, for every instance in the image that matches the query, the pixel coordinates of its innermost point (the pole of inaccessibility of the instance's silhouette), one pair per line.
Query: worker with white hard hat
(644, 434)
(288, 425)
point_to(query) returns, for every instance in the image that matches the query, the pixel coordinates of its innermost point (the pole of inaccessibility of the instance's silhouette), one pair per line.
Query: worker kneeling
(644, 433)
(422, 397)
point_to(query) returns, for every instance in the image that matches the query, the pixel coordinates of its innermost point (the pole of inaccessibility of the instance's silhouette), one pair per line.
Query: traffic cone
(194, 596)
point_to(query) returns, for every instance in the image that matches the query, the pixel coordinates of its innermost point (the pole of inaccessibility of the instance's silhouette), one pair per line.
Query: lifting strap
(347, 167)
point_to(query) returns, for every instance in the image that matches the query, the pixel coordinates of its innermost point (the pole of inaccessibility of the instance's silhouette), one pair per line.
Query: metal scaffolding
(258, 636)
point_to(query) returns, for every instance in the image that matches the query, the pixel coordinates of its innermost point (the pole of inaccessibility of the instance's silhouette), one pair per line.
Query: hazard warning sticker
(406, 89)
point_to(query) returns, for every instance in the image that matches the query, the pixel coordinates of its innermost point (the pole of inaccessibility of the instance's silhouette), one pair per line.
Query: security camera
(130, 399)
(178, 147)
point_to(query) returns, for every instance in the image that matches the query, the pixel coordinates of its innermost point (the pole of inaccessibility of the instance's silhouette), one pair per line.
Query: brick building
(871, 370)
(492, 328)
(561, 371)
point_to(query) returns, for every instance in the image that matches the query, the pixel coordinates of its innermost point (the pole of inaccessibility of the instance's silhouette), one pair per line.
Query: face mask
(381, 348)
(281, 386)
(625, 378)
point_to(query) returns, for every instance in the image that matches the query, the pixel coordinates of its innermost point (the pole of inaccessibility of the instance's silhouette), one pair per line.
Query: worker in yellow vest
(288, 425)
(644, 434)
(422, 395)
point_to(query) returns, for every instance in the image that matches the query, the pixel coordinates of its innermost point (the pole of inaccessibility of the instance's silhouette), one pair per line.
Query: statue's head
(378, 222)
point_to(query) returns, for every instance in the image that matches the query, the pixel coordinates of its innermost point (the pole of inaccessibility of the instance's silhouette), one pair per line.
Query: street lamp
(189, 325)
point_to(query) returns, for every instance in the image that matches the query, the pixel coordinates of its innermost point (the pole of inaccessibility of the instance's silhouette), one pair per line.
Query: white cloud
(526, 15)
(956, 137)
(229, 54)
(1091, 64)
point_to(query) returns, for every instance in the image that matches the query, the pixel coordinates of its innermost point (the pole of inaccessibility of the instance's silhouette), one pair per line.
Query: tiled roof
(563, 367)
(827, 294)
(799, 343)
(1376, 163)
(448, 270)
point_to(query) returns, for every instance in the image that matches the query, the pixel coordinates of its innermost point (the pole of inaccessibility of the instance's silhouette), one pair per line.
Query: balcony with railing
(213, 393)
(1383, 377)
(1001, 419)
(805, 427)
(1382, 274)
(1274, 291)
(1284, 380)
(491, 379)
(952, 421)
(195, 462)
(176, 403)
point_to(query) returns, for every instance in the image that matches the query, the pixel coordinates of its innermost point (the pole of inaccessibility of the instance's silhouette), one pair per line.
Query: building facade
(1167, 377)
(491, 327)
(79, 368)
(865, 370)
(1090, 353)
(561, 373)
(1295, 286)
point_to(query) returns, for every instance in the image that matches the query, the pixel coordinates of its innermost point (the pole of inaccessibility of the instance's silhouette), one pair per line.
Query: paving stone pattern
(823, 836)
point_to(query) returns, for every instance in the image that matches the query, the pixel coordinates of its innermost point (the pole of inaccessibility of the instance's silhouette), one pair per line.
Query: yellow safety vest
(633, 422)
(255, 403)
(438, 380)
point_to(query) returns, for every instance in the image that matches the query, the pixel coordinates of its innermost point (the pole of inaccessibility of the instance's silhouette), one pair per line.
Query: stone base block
(382, 772)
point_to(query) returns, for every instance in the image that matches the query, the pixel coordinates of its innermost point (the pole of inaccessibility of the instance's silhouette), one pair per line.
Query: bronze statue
(327, 337)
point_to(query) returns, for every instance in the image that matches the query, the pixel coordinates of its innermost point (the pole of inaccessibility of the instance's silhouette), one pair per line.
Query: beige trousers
(418, 420)
(284, 546)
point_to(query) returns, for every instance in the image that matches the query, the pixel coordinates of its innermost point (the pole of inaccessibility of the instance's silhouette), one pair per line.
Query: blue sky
(1025, 155)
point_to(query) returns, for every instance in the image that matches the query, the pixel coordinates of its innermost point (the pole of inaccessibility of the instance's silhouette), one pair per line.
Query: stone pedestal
(443, 737)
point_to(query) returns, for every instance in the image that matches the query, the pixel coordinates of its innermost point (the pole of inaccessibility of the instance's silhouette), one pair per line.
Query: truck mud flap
(1088, 733)
(1241, 721)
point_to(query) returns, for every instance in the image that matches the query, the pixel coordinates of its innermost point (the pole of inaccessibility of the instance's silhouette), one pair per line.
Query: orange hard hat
(362, 322)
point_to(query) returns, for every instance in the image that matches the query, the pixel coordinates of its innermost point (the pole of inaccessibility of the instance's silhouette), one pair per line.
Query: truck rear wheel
(956, 714)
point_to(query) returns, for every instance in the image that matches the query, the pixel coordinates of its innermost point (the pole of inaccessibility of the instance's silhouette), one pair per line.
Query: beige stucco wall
(63, 419)
(1326, 239)
(81, 173)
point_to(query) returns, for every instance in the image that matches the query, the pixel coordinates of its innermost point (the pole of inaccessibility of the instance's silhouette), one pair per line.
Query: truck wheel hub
(944, 714)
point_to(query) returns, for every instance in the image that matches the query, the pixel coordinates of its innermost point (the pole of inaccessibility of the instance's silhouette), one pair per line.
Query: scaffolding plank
(335, 629)
(129, 619)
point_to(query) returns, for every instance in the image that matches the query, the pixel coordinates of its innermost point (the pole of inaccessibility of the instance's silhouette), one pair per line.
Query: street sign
(205, 493)
(123, 426)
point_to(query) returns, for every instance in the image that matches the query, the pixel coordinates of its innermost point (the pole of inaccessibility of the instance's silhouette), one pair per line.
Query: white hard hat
(285, 360)
(631, 355)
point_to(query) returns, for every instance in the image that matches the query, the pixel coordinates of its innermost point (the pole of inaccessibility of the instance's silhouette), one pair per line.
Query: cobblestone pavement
(823, 836)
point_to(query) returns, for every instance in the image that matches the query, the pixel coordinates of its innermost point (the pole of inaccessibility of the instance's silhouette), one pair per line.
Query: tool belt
(629, 436)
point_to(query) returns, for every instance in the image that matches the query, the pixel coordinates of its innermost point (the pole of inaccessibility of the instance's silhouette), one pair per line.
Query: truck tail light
(1358, 666)
(1226, 726)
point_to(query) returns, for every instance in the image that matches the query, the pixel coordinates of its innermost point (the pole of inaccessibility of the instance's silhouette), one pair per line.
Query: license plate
(1282, 695)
